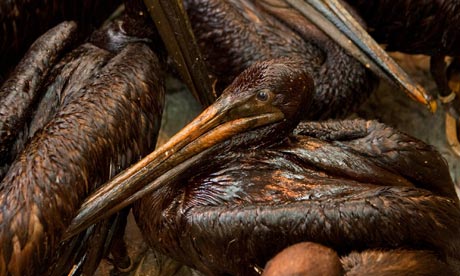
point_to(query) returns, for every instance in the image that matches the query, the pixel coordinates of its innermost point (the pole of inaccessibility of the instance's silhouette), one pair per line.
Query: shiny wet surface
(386, 105)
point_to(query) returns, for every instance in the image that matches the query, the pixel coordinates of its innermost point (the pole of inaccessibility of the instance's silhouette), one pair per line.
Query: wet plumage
(332, 183)
(416, 27)
(250, 195)
(23, 90)
(235, 34)
(419, 27)
(107, 116)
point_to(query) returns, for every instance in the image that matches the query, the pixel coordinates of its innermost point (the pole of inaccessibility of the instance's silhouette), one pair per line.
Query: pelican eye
(263, 95)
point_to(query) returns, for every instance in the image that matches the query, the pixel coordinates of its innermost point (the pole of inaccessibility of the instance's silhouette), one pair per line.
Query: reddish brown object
(304, 259)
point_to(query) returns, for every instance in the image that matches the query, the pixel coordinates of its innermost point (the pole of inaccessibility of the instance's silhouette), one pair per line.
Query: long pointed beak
(334, 20)
(176, 32)
(225, 118)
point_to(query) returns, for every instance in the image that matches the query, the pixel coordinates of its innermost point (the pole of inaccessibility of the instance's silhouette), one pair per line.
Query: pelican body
(411, 26)
(99, 110)
(244, 180)
(428, 28)
(235, 34)
(233, 216)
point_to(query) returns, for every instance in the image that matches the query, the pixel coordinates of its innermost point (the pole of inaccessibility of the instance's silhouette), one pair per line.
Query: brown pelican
(239, 183)
(234, 34)
(99, 111)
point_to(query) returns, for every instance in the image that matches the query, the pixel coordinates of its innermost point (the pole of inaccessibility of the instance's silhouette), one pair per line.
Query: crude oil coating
(234, 34)
(248, 198)
(412, 26)
(98, 129)
(21, 91)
